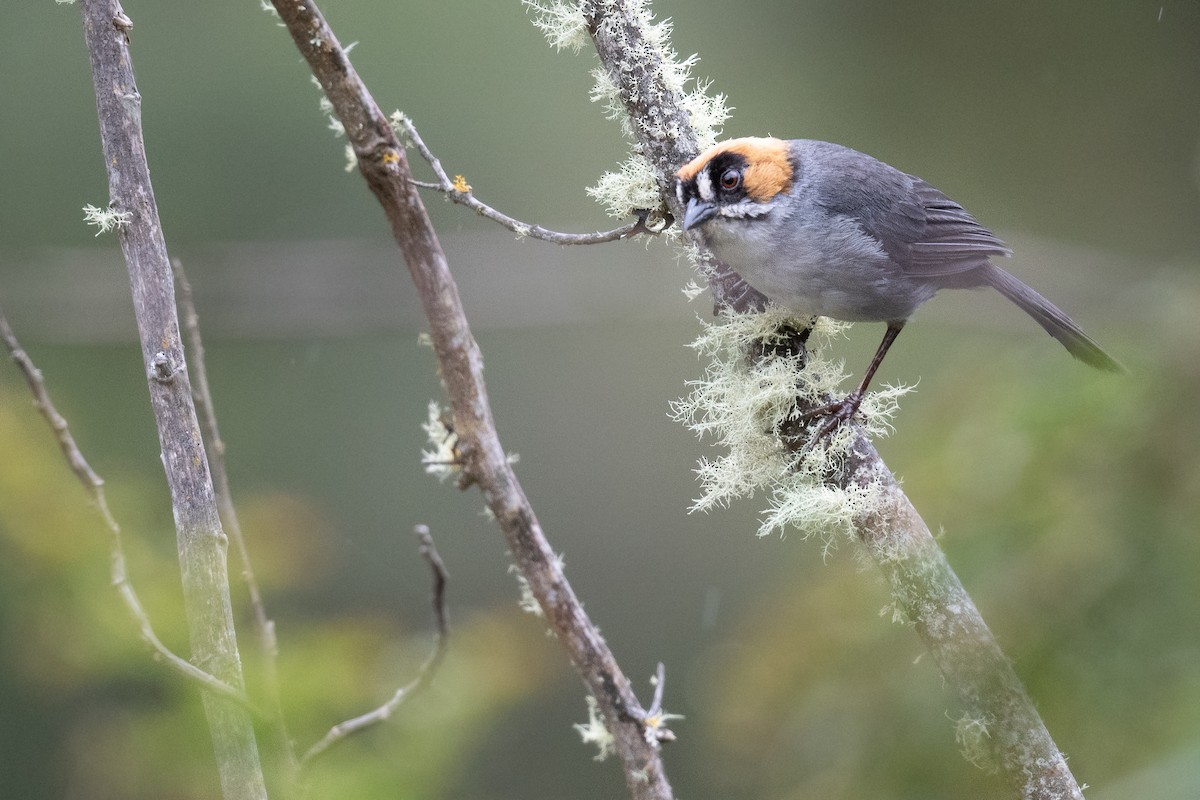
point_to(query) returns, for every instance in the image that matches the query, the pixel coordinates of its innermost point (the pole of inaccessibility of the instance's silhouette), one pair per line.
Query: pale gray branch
(200, 539)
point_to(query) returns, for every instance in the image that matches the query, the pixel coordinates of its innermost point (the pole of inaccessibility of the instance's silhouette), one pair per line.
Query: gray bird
(824, 230)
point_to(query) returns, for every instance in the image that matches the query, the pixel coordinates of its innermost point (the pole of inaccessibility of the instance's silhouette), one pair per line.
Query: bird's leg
(843, 410)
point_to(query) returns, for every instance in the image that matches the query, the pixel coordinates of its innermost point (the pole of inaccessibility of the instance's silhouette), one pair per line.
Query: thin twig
(656, 716)
(660, 684)
(460, 192)
(442, 621)
(384, 165)
(429, 552)
(94, 484)
(264, 626)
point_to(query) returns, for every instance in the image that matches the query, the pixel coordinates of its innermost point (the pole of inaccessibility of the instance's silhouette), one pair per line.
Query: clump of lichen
(744, 401)
(441, 459)
(975, 740)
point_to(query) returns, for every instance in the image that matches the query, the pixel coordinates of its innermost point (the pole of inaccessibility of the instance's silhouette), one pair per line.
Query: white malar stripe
(704, 186)
(746, 208)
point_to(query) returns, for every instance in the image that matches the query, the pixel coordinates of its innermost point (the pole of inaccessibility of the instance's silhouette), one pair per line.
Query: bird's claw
(835, 415)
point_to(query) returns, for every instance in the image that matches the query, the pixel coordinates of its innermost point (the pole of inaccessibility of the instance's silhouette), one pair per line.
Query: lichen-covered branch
(998, 729)
(642, 76)
(1000, 725)
(200, 539)
(384, 165)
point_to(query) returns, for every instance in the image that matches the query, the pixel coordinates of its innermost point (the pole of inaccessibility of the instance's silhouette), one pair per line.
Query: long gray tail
(1050, 317)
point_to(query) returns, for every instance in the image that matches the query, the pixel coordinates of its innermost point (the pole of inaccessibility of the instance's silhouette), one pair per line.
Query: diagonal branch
(424, 675)
(926, 591)
(94, 484)
(382, 162)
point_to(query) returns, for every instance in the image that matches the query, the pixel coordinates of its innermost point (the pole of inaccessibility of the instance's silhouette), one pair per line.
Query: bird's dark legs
(843, 410)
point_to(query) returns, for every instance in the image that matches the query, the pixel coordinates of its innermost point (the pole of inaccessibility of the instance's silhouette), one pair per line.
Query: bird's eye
(731, 179)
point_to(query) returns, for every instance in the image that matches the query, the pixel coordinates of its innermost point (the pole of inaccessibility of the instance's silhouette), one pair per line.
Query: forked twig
(441, 620)
(656, 716)
(460, 192)
(94, 484)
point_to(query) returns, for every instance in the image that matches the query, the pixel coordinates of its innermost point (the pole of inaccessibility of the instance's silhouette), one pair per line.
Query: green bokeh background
(1068, 499)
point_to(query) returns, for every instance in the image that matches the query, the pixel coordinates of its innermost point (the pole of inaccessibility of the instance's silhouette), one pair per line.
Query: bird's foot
(835, 414)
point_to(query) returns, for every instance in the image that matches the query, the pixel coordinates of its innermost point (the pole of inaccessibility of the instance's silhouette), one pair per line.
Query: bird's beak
(697, 212)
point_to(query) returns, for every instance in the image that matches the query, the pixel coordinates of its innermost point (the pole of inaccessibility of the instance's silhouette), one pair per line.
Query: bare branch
(94, 484)
(200, 539)
(384, 165)
(460, 192)
(441, 619)
(263, 624)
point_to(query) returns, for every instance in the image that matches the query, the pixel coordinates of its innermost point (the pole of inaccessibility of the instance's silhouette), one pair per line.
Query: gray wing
(923, 230)
(929, 235)
(951, 241)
